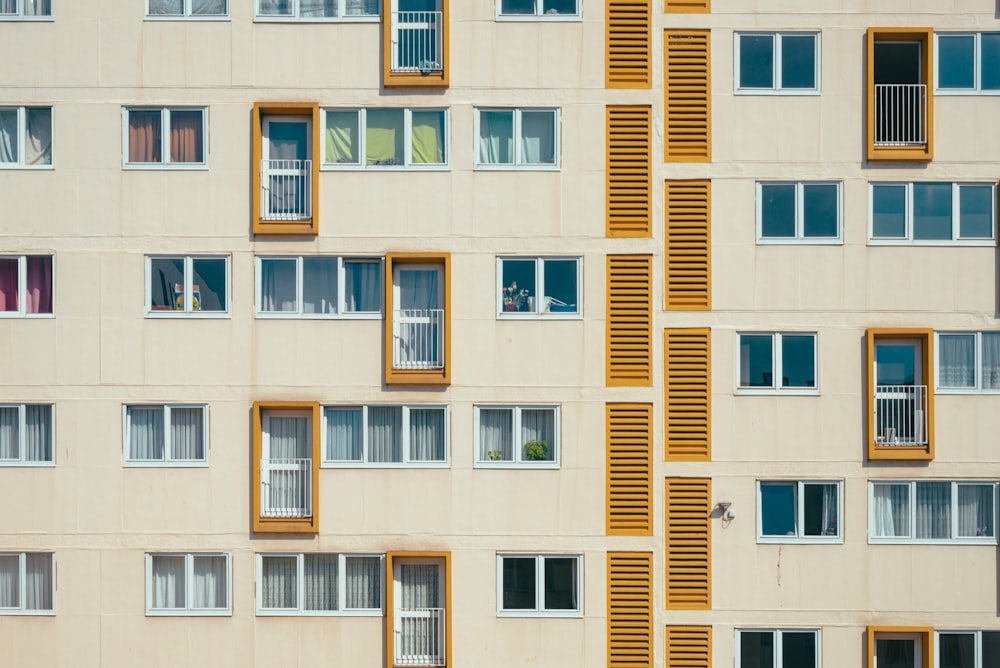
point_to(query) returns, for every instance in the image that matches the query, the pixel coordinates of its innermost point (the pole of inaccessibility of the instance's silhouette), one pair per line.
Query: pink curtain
(39, 285)
(185, 136)
(144, 136)
(8, 284)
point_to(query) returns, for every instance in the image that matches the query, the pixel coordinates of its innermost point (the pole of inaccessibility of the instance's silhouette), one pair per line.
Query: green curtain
(384, 137)
(428, 137)
(341, 137)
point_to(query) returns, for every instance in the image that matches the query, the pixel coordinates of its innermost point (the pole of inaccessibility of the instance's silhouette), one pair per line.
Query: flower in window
(514, 299)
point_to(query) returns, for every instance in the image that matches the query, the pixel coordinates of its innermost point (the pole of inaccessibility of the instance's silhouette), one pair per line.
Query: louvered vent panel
(629, 170)
(687, 394)
(688, 544)
(689, 646)
(630, 610)
(629, 44)
(688, 232)
(687, 91)
(630, 465)
(629, 320)
(688, 6)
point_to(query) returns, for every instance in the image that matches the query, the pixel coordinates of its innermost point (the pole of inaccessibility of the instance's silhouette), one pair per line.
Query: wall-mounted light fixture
(726, 511)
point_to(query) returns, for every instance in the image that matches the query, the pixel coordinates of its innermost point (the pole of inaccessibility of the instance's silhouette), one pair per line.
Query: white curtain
(363, 583)
(277, 286)
(991, 360)
(933, 510)
(385, 428)
(10, 445)
(288, 438)
(37, 7)
(320, 581)
(276, 8)
(343, 435)
(362, 287)
(538, 131)
(8, 6)
(145, 429)
(419, 586)
(318, 8)
(319, 285)
(830, 508)
(8, 135)
(427, 435)
(975, 510)
(168, 582)
(418, 289)
(187, 434)
(208, 7)
(10, 587)
(279, 582)
(956, 363)
(496, 137)
(890, 511)
(209, 582)
(496, 434)
(38, 147)
(361, 8)
(538, 425)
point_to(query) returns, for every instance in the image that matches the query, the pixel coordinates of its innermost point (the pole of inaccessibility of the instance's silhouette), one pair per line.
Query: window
(25, 10)
(968, 63)
(521, 138)
(25, 136)
(187, 285)
(539, 585)
(25, 286)
(782, 63)
(26, 435)
(802, 511)
(385, 435)
(793, 355)
(777, 648)
(165, 137)
(174, 435)
(319, 286)
(799, 212)
(285, 470)
(319, 584)
(417, 328)
(517, 435)
(932, 511)
(196, 9)
(538, 9)
(378, 138)
(968, 362)
(27, 583)
(188, 584)
(317, 10)
(968, 649)
(539, 286)
(933, 213)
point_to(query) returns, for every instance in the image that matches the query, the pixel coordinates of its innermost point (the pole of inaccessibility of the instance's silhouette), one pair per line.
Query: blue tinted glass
(989, 52)
(956, 55)
(798, 360)
(975, 207)
(756, 360)
(777, 211)
(777, 509)
(798, 61)
(932, 211)
(820, 206)
(888, 212)
(756, 61)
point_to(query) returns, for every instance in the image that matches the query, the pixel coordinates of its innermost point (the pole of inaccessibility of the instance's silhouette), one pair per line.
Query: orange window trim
(896, 452)
(390, 597)
(290, 228)
(395, 376)
(284, 524)
(926, 634)
(392, 79)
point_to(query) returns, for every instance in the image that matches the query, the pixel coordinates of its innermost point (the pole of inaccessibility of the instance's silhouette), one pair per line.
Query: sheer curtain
(343, 435)
(891, 511)
(419, 586)
(539, 426)
(991, 360)
(318, 8)
(361, 8)
(496, 434)
(37, 433)
(427, 434)
(277, 286)
(144, 136)
(208, 7)
(933, 510)
(363, 583)
(10, 444)
(39, 280)
(38, 147)
(975, 510)
(10, 586)
(538, 133)
(8, 127)
(168, 582)
(187, 433)
(8, 6)
(363, 287)
(209, 582)
(8, 283)
(496, 137)
(37, 7)
(146, 437)
(166, 7)
(186, 136)
(279, 586)
(38, 581)
(319, 284)
(956, 360)
(385, 428)
(320, 581)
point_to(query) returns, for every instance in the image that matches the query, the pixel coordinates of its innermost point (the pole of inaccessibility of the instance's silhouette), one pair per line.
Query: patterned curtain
(279, 582)
(320, 581)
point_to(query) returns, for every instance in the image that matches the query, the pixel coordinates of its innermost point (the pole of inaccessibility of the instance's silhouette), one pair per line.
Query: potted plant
(495, 455)
(536, 450)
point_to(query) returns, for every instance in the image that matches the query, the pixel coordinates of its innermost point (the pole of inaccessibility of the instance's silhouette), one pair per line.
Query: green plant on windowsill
(536, 451)
(495, 455)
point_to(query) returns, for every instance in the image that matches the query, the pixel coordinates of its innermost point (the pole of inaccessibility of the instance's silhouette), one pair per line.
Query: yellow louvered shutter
(688, 230)
(629, 321)
(687, 394)
(629, 44)
(688, 95)
(630, 466)
(689, 544)
(689, 646)
(688, 6)
(629, 165)
(630, 610)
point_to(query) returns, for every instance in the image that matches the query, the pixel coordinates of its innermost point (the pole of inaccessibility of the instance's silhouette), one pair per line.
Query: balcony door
(419, 610)
(286, 170)
(900, 393)
(418, 320)
(900, 94)
(286, 464)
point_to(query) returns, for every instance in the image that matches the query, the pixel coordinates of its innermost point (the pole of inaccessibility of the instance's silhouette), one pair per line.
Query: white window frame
(539, 15)
(188, 611)
(977, 64)
(165, 139)
(167, 461)
(187, 14)
(295, 18)
(799, 501)
(21, 581)
(299, 313)
(299, 610)
(404, 438)
(977, 659)
(912, 508)
(539, 261)
(776, 38)
(800, 218)
(188, 287)
(777, 364)
(908, 240)
(22, 135)
(408, 163)
(778, 645)
(518, 165)
(517, 462)
(22, 287)
(539, 610)
(19, 14)
(977, 365)
(22, 432)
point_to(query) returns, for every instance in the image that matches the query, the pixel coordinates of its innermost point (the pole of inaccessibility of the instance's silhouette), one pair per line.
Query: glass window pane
(991, 360)
(319, 285)
(209, 8)
(168, 582)
(560, 286)
(798, 360)
(975, 207)
(991, 648)
(385, 434)
(933, 510)
(895, 652)
(187, 143)
(496, 434)
(559, 6)
(38, 581)
(819, 509)
(538, 433)
(342, 137)
(187, 433)
(518, 583)
(166, 284)
(798, 649)
(361, 8)
(10, 445)
(10, 581)
(757, 649)
(957, 360)
(209, 582)
(9, 138)
(518, 290)
(38, 433)
(427, 435)
(38, 142)
(362, 286)
(277, 285)
(820, 211)
(145, 433)
(798, 61)
(279, 582)
(384, 137)
(756, 360)
(560, 583)
(957, 650)
(38, 7)
(275, 7)
(756, 61)
(319, 581)
(428, 137)
(496, 137)
(889, 212)
(363, 582)
(9, 292)
(777, 211)
(989, 46)
(209, 285)
(317, 8)
(145, 136)
(39, 284)
(890, 512)
(932, 211)
(777, 509)
(343, 435)
(517, 6)
(975, 511)
(956, 56)
(538, 137)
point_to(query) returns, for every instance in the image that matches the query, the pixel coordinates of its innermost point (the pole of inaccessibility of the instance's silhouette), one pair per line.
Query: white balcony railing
(286, 189)
(418, 339)
(900, 415)
(286, 488)
(420, 639)
(416, 42)
(900, 114)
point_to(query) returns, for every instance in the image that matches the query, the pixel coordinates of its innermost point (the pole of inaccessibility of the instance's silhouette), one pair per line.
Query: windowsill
(210, 19)
(972, 243)
(337, 167)
(179, 315)
(165, 465)
(966, 390)
(804, 241)
(983, 542)
(29, 168)
(385, 465)
(27, 19)
(520, 466)
(189, 613)
(491, 167)
(261, 612)
(165, 167)
(28, 613)
(555, 614)
(9, 463)
(782, 92)
(312, 19)
(794, 540)
(318, 316)
(774, 392)
(26, 316)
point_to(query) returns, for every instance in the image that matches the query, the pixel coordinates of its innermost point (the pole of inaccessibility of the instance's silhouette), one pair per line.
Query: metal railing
(416, 42)
(286, 488)
(418, 339)
(900, 114)
(286, 189)
(420, 637)
(900, 415)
